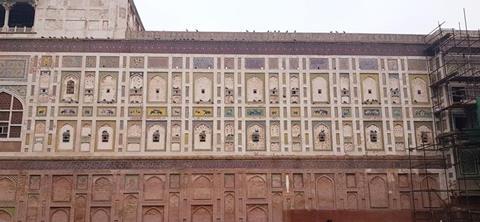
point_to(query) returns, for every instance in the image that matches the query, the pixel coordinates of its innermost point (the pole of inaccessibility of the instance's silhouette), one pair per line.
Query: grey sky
(354, 16)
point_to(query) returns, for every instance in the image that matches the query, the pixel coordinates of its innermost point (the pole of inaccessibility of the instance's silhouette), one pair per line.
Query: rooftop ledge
(277, 37)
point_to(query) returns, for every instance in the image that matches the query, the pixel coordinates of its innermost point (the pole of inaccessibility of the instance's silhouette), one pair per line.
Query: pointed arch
(22, 14)
(322, 137)
(430, 199)
(202, 137)
(102, 189)
(203, 90)
(378, 192)
(370, 89)
(202, 214)
(420, 90)
(5, 216)
(202, 188)
(157, 89)
(255, 137)
(66, 136)
(60, 215)
(105, 137)
(325, 192)
(256, 187)
(255, 90)
(154, 188)
(108, 89)
(8, 188)
(320, 90)
(100, 215)
(62, 189)
(153, 214)
(11, 118)
(257, 214)
(156, 137)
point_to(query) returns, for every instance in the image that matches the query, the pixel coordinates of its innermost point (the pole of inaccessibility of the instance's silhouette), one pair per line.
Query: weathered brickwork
(101, 124)
(191, 193)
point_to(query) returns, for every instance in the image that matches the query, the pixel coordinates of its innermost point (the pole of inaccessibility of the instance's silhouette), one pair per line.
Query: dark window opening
(3, 130)
(254, 91)
(66, 136)
(419, 92)
(203, 91)
(156, 137)
(319, 91)
(21, 15)
(203, 137)
(108, 90)
(157, 91)
(460, 122)
(373, 136)
(2, 15)
(105, 137)
(256, 137)
(11, 111)
(369, 91)
(458, 94)
(424, 137)
(70, 87)
(321, 136)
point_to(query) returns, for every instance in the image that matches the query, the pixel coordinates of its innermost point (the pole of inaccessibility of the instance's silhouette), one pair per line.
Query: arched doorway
(21, 15)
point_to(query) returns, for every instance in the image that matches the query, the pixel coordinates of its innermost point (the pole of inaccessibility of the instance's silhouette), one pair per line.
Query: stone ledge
(205, 163)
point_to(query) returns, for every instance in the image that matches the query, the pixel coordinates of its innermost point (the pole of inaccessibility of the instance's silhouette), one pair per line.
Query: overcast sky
(353, 16)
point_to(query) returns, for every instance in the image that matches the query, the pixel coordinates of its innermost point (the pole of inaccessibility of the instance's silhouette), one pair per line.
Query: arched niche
(156, 137)
(108, 89)
(419, 90)
(370, 90)
(255, 137)
(320, 90)
(105, 138)
(203, 90)
(66, 136)
(22, 14)
(202, 137)
(157, 89)
(374, 137)
(255, 88)
(322, 137)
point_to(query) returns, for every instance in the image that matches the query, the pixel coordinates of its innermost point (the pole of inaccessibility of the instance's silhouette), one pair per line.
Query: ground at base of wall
(348, 215)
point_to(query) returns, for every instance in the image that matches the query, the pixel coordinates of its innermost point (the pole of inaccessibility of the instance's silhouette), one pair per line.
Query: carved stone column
(7, 6)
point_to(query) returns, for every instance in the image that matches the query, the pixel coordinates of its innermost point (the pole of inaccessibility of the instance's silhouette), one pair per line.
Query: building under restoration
(103, 121)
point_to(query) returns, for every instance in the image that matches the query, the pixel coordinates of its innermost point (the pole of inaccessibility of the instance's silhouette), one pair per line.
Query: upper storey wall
(71, 19)
(172, 104)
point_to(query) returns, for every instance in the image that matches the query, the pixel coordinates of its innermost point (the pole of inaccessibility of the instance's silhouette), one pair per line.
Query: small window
(203, 91)
(156, 137)
(108, 90)
(66, 136)
(105, 137)
(254, 91)
(3, 130)
(419, 92)
(373, 136)
(157, 91)
(256, 137)
(203, 137)
(319, 91)
(369, 91)
(424, 137)
(70, 87)
(321, 136)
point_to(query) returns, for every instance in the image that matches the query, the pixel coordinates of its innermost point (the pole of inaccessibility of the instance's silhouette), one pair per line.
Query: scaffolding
(454, 72)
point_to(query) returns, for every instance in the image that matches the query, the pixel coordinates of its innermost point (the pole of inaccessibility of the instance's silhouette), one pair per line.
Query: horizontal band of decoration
(212, 47)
